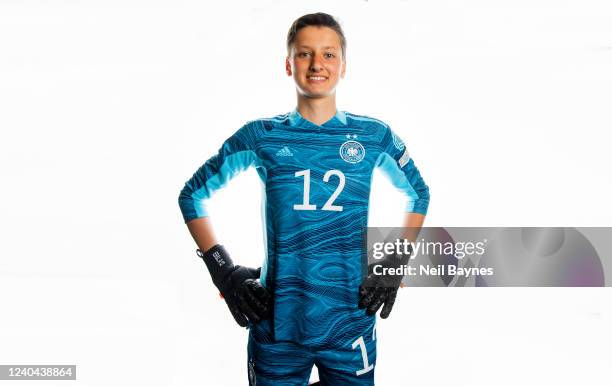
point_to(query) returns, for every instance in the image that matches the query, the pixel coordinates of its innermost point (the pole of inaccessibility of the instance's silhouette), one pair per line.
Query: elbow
(192, 204)
(186, 204)
(420, 203)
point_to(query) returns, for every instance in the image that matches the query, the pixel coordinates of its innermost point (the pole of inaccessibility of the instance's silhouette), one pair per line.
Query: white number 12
(306, 205)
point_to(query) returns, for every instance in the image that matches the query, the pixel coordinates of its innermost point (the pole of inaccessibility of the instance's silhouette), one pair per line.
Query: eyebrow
(325, 48)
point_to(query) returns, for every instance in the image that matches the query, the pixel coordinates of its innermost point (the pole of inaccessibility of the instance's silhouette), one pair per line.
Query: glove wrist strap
(218, 262)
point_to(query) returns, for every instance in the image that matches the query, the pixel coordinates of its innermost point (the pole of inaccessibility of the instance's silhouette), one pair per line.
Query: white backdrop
(108, 107)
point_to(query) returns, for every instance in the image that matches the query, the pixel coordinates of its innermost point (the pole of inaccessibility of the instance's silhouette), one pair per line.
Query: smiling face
(316, 62)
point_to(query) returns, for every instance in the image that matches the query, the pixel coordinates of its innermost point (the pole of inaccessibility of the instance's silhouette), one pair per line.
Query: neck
(317, 110)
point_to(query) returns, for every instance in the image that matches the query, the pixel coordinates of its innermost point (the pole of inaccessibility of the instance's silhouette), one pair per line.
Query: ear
(288, 67)
(343, 69)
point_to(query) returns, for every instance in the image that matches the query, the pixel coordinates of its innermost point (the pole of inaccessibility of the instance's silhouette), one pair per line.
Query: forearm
(202, 232)
(413, 222)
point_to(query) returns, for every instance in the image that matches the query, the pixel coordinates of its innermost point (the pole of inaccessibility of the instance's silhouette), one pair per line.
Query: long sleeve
(396, 164)
(235, 155)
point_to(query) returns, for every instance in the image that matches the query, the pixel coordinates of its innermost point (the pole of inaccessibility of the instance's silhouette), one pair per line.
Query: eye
(329, 55)
(303, 54)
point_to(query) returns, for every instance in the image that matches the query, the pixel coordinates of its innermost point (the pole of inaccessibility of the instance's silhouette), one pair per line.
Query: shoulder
(260, 127)
(255, 129)
(267, 123)
(374, 125)
(365, 120)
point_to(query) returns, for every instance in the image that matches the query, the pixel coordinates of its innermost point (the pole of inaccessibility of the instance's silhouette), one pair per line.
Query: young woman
(306, 306)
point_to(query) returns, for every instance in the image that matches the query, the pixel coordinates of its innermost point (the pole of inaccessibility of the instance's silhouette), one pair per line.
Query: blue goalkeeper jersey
(316, 188)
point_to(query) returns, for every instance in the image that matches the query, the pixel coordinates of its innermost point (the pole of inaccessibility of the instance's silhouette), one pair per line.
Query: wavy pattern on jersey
(318, 252)
(314, 257)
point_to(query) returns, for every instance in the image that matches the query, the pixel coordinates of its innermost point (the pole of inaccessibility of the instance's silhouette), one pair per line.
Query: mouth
(316, 79)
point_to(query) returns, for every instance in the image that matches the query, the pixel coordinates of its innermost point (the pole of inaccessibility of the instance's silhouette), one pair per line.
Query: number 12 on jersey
(306, 205)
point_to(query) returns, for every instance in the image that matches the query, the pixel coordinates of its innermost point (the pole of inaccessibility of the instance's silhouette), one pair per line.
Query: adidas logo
(284, 152)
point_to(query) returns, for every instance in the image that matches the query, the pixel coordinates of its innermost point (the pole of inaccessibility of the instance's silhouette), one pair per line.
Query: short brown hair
(318, 19)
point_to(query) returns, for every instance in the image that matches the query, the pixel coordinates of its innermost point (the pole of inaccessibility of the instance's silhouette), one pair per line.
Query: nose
(315, 64)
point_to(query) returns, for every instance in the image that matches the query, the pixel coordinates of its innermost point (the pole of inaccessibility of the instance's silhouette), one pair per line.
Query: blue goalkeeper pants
(283, 363)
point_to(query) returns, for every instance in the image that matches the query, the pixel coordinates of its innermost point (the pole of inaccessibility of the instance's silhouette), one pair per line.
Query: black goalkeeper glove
(381, 288)
(246, 298)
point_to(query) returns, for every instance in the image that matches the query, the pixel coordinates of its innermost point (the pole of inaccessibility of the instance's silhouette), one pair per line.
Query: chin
(316, 94)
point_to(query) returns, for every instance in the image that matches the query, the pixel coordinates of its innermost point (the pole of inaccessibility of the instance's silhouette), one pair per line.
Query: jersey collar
(296, 119)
